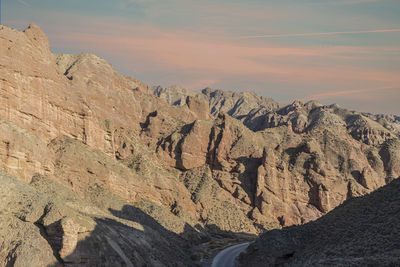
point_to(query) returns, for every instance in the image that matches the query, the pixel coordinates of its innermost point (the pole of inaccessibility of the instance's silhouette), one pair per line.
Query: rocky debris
(45, 224)
(362, 231)
(99, 174)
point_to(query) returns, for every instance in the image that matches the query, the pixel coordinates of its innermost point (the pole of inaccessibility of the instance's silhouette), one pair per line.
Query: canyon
(100, 169)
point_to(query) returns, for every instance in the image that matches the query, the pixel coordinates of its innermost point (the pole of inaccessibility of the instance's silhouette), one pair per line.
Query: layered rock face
(74, 120)
(108, 164)
(299, 162)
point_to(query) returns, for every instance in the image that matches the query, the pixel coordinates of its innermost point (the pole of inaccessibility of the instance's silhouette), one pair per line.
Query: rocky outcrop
(258, 113)
(237, 105)
(390, 122)
(35, 96)
(23, 154)
(390, 154)
(362, 231)
(313, 160)
(175, 95)
(367, 131)
(45, 224)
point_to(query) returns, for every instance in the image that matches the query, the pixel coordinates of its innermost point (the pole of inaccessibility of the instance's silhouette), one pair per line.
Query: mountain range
(100, 169)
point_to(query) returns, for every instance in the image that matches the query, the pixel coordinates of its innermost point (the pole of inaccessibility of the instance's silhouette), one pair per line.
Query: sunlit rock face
(99, 168)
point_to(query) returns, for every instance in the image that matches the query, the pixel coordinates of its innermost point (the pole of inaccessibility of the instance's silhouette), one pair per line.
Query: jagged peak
(74, 65)
(64, 58)
(310, 105)
(37, 36)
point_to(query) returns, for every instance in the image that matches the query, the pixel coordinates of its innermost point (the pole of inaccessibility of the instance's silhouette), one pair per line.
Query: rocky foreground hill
(100, 169)
(364, 231)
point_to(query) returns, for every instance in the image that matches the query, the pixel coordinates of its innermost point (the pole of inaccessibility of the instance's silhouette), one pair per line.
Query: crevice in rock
(43, 232)
(66, 72)
(146, 124)
(11, 257)
(212, 151)
(178, 148)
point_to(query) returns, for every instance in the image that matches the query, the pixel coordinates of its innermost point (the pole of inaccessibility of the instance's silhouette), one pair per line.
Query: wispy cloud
(187, 53)
(332, 94)
(24, 3)
(319, 33)
(350, 2)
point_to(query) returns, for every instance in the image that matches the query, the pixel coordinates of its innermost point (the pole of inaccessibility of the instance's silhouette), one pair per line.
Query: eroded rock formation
(112, 169)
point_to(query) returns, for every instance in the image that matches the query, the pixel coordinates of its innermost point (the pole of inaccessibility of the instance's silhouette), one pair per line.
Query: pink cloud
(356, 93)
(320, 33)
(205, 58)
(201, 83)
(187, 52)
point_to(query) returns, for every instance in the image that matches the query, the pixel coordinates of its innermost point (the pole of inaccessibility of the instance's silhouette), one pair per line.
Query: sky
(334, 51)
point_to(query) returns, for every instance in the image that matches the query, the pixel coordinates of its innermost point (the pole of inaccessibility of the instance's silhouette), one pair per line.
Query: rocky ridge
(210, 163)
(313, 156)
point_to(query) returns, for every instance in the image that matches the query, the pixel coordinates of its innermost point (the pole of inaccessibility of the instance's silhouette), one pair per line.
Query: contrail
(317, 34)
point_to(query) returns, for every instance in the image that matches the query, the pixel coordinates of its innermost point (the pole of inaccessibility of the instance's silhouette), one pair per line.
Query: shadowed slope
(363, 231)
